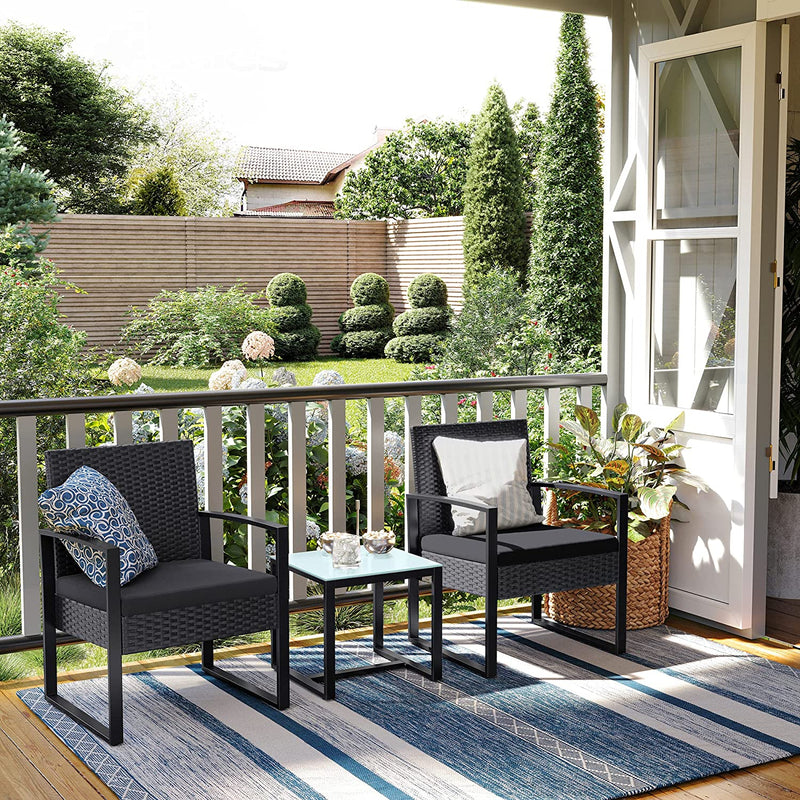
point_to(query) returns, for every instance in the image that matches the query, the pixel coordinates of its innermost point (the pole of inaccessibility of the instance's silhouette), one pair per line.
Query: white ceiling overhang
(598, 8)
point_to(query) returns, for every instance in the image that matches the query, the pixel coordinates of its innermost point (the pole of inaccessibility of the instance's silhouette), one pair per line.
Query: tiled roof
(294, 208)
(278, 165)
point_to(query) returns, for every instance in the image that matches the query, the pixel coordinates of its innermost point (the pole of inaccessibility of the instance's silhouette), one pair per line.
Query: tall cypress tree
(565, 275)
(494, 195)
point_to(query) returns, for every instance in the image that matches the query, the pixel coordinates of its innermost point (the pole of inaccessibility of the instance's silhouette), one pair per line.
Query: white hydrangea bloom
(328, 377)
(143, 388)
(258, 345)
(355, 460)
(243, 492)
(312, 530)
(251, 383)
(220, 380)
(316, 429)
(393, 446)
(124, 372)
(200, 472)
(284, 377)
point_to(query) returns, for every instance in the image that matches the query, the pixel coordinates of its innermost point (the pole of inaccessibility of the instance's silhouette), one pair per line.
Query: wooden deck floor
(35, 765)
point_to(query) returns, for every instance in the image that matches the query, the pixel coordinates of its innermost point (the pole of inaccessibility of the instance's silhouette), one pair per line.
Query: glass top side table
(374, 569)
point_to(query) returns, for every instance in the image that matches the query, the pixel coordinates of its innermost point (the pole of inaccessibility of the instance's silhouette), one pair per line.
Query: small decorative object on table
(346, 547)
(379, 542)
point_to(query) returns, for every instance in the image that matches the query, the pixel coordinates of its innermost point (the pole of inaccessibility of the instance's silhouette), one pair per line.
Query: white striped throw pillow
(491, 472)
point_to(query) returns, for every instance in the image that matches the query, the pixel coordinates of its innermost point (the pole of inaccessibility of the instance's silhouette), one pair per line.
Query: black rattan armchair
(526, 561)
(186, 598)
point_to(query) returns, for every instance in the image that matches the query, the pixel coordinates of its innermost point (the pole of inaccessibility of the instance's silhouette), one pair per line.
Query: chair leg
(490, 635)
(536, 607)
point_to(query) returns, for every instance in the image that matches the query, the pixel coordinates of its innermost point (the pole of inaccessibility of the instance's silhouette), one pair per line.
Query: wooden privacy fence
(122, 261)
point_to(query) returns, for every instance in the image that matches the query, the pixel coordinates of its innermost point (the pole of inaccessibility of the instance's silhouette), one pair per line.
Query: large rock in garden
(296, 339)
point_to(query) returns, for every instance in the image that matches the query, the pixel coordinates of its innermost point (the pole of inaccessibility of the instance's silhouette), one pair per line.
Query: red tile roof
(294, 208)
(279, 165)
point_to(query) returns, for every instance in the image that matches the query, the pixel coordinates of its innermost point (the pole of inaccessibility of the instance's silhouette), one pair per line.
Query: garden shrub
(195, 329)
(39, 357)
(421, 330)
(296, 339)
(367, 327)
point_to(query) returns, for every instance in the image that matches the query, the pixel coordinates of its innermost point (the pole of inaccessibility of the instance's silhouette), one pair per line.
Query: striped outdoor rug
(561, 720)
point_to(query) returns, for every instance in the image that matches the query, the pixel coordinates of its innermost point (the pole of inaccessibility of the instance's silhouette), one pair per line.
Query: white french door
(697, 284)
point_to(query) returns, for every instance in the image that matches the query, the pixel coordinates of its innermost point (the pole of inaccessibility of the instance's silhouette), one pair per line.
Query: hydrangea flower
(251, 383)
(229, 376)
(124, 372)
(284, 377)
(220, 380)
(143, 388)
(316, 430)
(200, 471)
(258, 345)
(312, 530)
(328, 377)
(355, 460)
(393, 446)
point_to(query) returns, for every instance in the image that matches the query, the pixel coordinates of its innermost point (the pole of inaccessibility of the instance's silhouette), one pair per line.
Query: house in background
(279, 182)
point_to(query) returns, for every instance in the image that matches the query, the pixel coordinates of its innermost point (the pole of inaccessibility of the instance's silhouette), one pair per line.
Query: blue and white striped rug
(561, 720)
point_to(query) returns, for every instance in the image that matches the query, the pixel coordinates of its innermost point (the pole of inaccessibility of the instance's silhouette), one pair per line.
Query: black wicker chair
(511, 563)
(186, 598)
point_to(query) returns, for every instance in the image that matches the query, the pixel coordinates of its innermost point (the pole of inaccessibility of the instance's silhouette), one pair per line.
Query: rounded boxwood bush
(367, 318)
(421, 330)
(367, 327)
(286, 289)
(418, 349)
(426, 291)
(369, 289)
(296, 339)
(422, 320)
(291, 318)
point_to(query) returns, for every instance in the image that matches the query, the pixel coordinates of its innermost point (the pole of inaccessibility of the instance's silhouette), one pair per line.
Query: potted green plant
(783, 570)
(639, 459)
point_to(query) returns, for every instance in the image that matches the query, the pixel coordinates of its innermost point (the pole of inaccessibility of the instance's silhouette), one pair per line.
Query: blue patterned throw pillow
(88, 503)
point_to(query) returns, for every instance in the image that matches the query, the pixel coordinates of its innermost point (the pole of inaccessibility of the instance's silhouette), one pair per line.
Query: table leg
(377, 615)
(436, 625)
(329, 642)
(413, 608)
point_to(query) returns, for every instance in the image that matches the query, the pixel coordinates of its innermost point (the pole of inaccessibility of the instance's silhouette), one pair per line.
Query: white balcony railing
(74, 411)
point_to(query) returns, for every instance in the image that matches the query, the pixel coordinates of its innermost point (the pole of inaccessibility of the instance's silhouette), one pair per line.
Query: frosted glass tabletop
(319, 565)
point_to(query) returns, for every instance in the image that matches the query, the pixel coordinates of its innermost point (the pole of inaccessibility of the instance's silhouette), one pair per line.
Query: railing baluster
(212, 439)
(256, 493)
(519, 404)
(123, 427)
(585, 396)
(337, 431)
(297, 490)
(485, 406)
(413, 416)
(76, 430)
(27, 494)
(375, 469)
(449, 408)
(168, 424)
(552, 421)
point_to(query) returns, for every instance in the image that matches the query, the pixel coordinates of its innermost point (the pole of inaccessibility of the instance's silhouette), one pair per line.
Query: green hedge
(363, 344)
(366, 328)
(296, 339)
(427, 290)
(367, 318)
(418, 349)
(369, 289)
(422, 320)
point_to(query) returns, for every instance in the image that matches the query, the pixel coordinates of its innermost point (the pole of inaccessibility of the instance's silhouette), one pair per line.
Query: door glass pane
(697, 140)
(693, 326)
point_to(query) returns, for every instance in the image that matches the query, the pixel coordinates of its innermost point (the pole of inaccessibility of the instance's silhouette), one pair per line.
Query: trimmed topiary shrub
(367, 327)
(296, 339)
(422, 329)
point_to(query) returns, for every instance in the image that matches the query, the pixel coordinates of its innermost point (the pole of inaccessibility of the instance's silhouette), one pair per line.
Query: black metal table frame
(324, 683)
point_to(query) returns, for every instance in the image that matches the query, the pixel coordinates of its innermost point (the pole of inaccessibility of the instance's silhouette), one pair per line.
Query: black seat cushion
(173, 584)
(522, 546)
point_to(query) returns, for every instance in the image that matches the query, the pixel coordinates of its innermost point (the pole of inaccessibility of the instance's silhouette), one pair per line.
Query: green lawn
(354, 370)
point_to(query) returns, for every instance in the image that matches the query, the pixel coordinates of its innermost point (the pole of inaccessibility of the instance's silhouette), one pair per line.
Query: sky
(317, 74)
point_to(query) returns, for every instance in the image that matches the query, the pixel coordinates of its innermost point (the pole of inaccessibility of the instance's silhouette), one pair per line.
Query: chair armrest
(451, 501)
(243, 519)
(94, 544)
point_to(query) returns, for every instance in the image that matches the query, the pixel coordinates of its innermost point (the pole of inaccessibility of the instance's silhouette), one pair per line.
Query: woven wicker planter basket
(648, 579)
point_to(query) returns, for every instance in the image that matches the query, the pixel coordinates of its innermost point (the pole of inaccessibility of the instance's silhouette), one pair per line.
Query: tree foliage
(418, 171)
(159, 195)
(198, 155)
(495, 234)
(73, 121)
(24, 199)
(565, 274)
(530, 129)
